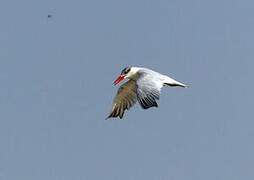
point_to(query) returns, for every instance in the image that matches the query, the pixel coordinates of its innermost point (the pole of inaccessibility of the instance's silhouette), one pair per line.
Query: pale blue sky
(56, 90)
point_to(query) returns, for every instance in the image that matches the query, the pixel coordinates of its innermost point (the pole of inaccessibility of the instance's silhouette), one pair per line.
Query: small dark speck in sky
(49, 15)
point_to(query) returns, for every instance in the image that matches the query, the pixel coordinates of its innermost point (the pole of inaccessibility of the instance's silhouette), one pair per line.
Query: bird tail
(173, 83)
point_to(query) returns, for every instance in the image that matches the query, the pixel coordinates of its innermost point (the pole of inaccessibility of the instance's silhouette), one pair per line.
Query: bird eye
(126, 70)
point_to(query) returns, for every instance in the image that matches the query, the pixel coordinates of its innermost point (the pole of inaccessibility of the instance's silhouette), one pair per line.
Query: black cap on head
(126, 70)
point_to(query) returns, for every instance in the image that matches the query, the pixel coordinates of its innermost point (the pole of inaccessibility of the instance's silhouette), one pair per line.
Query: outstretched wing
(148, 91)
(125, 98)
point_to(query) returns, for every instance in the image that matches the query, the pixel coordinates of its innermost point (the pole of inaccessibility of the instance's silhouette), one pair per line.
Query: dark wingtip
(149, 106)
(108, 117)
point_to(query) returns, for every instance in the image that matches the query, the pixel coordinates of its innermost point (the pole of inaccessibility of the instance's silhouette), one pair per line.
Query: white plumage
(144, 85)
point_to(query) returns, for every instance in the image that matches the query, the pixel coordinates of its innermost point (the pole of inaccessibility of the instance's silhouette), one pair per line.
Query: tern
(144, 85)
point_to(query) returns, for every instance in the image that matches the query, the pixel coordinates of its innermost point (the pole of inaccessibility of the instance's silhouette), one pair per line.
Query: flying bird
(144, 85)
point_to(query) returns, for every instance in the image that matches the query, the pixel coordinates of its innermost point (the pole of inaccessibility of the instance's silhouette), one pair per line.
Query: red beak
(119, 79)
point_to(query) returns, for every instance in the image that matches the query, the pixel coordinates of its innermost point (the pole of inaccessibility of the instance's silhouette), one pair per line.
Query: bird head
(128, 72)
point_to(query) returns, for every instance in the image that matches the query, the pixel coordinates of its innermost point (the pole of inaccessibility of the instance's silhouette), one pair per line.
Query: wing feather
(125, 98)
(148, 91)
